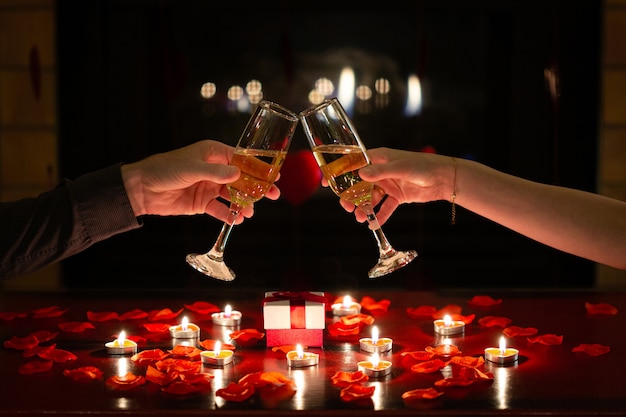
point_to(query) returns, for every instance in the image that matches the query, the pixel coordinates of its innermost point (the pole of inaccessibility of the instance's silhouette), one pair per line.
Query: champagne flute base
(211, 267)
(391, 263)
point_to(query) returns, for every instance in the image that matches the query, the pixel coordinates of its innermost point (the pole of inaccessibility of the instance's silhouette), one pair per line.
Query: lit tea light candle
(448, 327)
(347, 307)
(299, 359)
(121, 346)
(185, 330)
(218, 356)
(375, 344)
(375, 368)
(228, 317)
(501, 355)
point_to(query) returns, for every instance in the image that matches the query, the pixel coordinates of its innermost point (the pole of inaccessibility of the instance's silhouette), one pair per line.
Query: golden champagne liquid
(259, 169)
(340, 166)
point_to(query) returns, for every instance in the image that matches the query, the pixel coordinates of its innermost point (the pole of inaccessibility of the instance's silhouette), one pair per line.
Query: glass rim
(280, 109)
(314, 109)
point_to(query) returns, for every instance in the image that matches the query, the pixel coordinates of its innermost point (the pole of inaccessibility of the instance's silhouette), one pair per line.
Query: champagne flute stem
(217, 251)
(384, 247)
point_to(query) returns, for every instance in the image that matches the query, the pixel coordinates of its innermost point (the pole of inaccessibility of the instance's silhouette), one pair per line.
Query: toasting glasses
(340, 154)
(259, 154)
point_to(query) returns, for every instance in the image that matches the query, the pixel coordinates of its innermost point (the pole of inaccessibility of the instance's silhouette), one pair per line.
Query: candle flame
(374, 335)
(299, 351)
(375, 360)
(217, 348)
(227, 311)
(184, 323)
(121, 338)
(347, 301)
(447, 320)
(502, 345)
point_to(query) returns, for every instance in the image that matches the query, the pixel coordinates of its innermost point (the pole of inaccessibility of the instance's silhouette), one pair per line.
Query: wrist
(131, 177)
(453, 193)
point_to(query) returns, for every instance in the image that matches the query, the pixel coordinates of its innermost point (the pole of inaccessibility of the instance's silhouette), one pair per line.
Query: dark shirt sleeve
(36, 232)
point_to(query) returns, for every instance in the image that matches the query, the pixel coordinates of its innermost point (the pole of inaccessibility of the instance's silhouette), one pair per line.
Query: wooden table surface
(546, 380)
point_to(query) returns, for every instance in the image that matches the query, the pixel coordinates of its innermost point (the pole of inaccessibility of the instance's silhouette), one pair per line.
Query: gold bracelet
(453, 197)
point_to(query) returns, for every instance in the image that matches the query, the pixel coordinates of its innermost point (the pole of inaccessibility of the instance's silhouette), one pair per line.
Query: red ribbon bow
(295, 295)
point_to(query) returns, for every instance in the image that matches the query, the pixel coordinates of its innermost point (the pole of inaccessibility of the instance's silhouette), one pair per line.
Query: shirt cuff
(102, 204)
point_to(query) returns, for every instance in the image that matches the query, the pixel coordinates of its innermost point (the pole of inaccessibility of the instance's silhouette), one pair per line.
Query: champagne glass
(340, 154)
(259, 154)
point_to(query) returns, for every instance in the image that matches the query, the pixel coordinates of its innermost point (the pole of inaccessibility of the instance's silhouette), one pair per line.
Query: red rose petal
(33, 367)
(271, 395)
(156, 327)
(600, 309)
(360, 319)
(373, 306)
(247, 337)
(163, 314)
(180, 366)
(127, 382)
(421, 394)
(158, 377)
(355, 392)
(141, 341)
(465, 319)
(275, 378)
(467, 376)
(10, 315)
(21, 343)
(470, 361)
(412, 357)
(421, 312)
(592, 349)
(44, 335)
(285, 348)
(203, 307)
(455, 381)
(253, 378)
(84, 373)
(59, 355)
(343, 379)
(42, 351)
(197, 383)
(76, 326)
(513, 331)
(149, 356)
(235, 392)
(470, 372)
(259, 379)
(444, 350)
(547, 339)
(340, 329)
(191, 352)
(428, 367)
(209, 344)
(102, 316)
(48, 312)
(133, 315)
(484, 301)
(494, 321)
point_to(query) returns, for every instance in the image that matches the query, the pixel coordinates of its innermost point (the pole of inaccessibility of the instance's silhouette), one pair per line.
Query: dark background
(129, 79)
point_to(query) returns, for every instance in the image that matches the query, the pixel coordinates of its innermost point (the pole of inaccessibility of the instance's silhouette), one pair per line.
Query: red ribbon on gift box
(297, 314)
(297, 301)
(295, 295)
